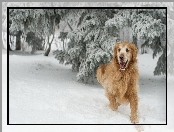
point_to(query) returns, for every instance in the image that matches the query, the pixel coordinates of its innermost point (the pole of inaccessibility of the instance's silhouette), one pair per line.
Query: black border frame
(76, 8)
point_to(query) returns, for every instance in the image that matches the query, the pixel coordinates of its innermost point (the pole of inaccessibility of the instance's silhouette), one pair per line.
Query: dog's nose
(121, 57)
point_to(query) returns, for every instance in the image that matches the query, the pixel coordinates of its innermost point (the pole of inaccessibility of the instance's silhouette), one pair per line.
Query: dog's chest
(120, 83)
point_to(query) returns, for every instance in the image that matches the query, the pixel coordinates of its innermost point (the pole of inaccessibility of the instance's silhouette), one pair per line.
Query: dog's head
(124, 54)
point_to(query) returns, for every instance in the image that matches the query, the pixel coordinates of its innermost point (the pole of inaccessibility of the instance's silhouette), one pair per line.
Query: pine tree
(90, 44)
(94, 32)
(146, 24)
(42, 22)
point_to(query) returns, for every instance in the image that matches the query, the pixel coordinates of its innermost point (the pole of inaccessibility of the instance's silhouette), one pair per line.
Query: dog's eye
(127, 50)
(119, 49)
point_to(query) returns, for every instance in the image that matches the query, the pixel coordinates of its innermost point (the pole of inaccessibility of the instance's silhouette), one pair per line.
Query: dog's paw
(114, 107)
(134, 119)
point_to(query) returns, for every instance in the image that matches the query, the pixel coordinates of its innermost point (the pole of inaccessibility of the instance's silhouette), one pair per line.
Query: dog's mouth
(123, 65)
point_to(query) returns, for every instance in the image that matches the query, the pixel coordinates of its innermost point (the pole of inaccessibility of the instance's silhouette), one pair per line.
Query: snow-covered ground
(42, 91)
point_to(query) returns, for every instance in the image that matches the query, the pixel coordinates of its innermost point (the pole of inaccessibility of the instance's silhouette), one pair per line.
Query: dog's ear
(115, 51)
(134, 52)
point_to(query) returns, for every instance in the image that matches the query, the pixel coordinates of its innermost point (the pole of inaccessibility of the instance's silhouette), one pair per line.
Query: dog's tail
(100, 72)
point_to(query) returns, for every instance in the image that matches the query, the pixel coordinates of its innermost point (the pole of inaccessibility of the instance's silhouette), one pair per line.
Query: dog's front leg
(133, 99)
(112, 100)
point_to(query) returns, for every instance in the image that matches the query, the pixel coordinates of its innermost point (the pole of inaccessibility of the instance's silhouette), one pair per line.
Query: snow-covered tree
(146, 24)
(63, 37)
(33, 41)
(90, 42)
(42, 22)
(94, 32)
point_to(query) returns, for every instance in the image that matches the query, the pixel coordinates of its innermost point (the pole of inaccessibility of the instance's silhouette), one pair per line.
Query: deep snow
(42, 91)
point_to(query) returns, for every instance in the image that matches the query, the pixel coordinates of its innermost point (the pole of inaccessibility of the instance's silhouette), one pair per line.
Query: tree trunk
(63, 46)
(18, 41)
(126, 34)
(33, 49)
(48, 50)
(70, 26)
(43, 45)
(9, 47)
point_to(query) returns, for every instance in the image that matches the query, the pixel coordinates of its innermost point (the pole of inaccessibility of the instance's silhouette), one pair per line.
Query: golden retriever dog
(120, 77)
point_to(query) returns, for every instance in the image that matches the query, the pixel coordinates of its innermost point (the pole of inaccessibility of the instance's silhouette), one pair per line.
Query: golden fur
(121, 85)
